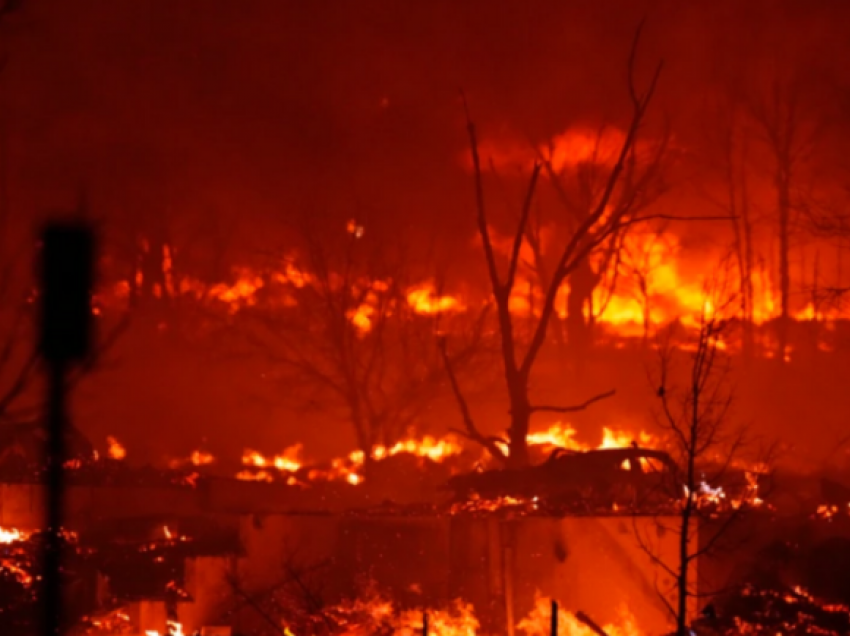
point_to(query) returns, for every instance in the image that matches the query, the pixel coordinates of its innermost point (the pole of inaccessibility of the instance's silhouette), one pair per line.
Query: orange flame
(424, 299)
(116, 450)
(428, 446)
(374, 614)
(289, 460)
(560, 435)
(201, 458)
(539, 622)
(172, 628)
(11, 535)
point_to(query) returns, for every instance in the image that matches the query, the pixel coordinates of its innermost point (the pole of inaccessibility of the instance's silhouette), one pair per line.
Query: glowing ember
(371, 613)
(247, 475)
(116, 450)
(196, 458)
(113, 622)
(788, 611)
(242, 292)
(171, 629)
(477, 504)
(200, 458)
(827, 513)
(705, 495)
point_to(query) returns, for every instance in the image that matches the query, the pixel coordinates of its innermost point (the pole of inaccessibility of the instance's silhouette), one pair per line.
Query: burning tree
(706, 447)
(611, 206)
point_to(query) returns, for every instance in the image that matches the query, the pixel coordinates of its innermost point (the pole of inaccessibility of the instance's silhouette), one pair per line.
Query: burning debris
(539, 622)
(21, 574)
(373, 614)
(791, 612)
(109, 568)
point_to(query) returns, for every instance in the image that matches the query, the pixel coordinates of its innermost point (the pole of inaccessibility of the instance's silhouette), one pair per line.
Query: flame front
(560, 435)
(539, 622)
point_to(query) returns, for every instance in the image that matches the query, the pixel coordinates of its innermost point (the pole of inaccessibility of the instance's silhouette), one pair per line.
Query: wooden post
(67, 273)
(424, 622)
(554, 628)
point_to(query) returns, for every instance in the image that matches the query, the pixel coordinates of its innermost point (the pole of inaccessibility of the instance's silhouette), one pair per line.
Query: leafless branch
(577, 407)
(472, 432)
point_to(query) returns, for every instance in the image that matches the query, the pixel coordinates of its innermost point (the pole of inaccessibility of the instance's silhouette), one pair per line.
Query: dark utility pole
(67, 276)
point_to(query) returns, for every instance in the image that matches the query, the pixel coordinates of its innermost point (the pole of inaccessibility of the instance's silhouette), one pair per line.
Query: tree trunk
(518, 439)
(747, 289)
(579, 331)
(682, 583)
(520, 422)
(784, 203)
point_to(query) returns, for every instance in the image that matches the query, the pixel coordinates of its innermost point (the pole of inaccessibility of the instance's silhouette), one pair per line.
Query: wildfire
(289, 460)
(539, 622)
(706, 496)
(788, 611)
(348, 469)
(116, 450)
(112, 622)
(247, 475)
(196, 458)
(243, 291)
(476, 504)
(172, 628)
(11, 535)
(560, 435)
(828, 512)
(430, 447)
(652, 284)
(200, 458)
(372, 613)
(424, 299)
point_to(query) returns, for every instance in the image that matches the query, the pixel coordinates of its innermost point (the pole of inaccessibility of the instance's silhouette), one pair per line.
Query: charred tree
(710, 485)
(605, 218)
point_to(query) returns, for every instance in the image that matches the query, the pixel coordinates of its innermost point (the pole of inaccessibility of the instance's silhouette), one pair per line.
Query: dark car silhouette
(602, 477)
